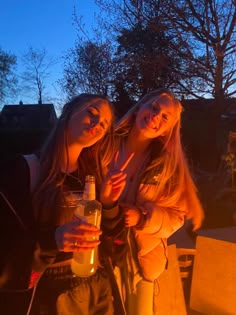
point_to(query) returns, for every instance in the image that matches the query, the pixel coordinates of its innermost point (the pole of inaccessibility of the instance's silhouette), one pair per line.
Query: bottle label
(93, 216)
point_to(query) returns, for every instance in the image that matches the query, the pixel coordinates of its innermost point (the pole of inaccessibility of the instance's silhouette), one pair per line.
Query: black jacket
(17, 232)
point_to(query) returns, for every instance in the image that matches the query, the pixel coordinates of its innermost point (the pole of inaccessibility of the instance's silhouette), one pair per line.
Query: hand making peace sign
(114, 182)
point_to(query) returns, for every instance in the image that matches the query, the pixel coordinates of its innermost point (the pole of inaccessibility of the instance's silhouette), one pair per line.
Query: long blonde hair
(175, 188)
(92, 160)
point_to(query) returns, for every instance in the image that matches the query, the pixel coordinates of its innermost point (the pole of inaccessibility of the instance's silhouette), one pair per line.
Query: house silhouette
(24, 127)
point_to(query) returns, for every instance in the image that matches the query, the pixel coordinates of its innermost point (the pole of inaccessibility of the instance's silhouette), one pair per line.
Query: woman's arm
(153, 219)
(162, 221)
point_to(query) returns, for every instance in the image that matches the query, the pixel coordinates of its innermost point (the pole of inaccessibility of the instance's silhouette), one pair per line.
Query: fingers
(116, 179)
(116, 175)
(83, 227)
(82, 233)
(126, 162)
(114, 162)
(116, 157)
(77, 235)
(128, 217)
(132, 217)
(128, 221)
(78, 244)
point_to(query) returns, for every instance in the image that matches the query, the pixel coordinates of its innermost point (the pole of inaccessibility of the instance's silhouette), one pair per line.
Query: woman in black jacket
(35, 230)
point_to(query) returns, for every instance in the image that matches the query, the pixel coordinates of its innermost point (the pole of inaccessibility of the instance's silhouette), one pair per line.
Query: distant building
(28, 116)
(24, 127)
(203, 108)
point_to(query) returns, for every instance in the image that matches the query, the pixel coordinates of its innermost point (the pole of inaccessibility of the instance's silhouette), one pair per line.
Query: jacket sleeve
(17, 233)
(46, 239)
(160, 224)
(162, 221)
(112, 221)
(14, 184)
(114, 235)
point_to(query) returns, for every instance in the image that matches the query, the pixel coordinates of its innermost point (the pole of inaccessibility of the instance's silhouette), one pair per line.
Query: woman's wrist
(109, 206)
(142, 218)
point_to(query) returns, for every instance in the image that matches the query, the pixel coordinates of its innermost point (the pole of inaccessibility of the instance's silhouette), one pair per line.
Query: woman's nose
(94, 122)
(155, 117)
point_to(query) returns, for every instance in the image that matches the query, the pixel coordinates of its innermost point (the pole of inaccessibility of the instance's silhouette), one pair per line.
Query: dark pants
(12, 303)
(78, 296)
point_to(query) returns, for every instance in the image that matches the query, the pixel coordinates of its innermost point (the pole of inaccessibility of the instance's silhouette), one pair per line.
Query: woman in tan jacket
(155, 195)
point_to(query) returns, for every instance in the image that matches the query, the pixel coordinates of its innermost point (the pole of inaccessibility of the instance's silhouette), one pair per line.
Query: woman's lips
(92, 131)
(89, 130)
(149, 122)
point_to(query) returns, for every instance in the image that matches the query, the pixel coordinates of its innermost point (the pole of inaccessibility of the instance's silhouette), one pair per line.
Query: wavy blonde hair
(175, 189)
(92, 160)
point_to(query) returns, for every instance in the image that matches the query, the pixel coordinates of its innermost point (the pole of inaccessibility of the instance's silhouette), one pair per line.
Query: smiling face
(89, 125)
(156, 116)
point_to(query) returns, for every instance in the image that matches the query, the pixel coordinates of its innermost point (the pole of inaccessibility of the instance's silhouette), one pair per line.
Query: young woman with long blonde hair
(155, 195)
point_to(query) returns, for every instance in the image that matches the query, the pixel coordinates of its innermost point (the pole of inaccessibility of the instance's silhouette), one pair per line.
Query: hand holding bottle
(88, 212)
(73, 236)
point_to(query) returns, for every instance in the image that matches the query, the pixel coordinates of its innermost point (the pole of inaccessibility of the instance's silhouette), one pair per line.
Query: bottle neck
(89, 189)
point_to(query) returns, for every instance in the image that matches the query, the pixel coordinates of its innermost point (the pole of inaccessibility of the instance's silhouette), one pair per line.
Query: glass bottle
(85, 263)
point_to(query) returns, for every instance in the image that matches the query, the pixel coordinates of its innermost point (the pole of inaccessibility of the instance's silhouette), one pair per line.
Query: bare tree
(206, 31)
(137, 57)
(37, 64)
(87, 69)
(88, 66)
(203, 35)
(8, 80)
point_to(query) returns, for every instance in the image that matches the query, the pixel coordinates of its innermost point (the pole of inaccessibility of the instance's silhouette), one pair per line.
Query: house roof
(203, 108)
(30, 116)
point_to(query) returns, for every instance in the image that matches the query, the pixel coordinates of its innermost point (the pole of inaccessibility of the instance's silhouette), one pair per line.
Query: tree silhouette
(36, 71)
(8, 80)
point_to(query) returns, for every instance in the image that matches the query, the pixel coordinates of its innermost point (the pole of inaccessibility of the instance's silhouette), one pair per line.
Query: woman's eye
(165, 117)
(102, 125)
(92, 112)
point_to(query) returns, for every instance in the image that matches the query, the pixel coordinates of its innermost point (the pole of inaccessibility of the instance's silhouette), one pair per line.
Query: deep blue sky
(42, 24)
